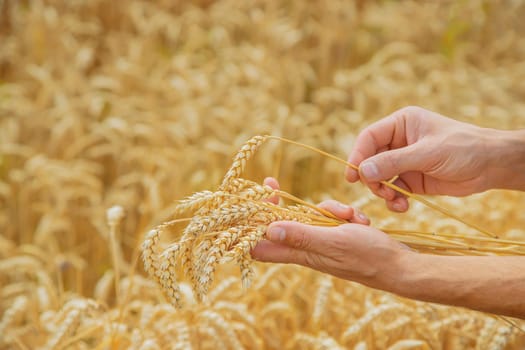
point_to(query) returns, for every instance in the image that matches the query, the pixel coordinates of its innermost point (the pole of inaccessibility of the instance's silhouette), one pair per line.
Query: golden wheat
(105, 103)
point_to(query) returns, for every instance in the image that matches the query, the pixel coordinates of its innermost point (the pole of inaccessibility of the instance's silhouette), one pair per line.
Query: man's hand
(353, 251)
(431, 154)
(360, 253)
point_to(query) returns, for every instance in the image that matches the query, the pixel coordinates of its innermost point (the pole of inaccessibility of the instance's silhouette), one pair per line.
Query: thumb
(300, 236)
(386, 165)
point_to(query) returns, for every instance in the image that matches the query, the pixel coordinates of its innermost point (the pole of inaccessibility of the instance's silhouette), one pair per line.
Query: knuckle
(409, 111)
(393, 162)
(325, 204)
(312, 261)
(300, 239)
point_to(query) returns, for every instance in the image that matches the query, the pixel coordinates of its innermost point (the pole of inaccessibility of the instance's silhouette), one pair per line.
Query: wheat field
(113, 111)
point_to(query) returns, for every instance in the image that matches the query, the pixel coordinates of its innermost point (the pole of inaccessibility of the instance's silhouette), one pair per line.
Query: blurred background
(140, 103)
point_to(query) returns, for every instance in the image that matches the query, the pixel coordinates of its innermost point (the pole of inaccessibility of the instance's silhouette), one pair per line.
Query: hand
(352, 251)
(431, 154)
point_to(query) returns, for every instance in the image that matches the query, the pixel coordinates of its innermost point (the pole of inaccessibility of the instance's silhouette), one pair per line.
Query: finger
(267, 251)
(273, 183)
(360, 218)
(383, 166)
(370, 141)
(389, 193)
(339, 209)
(304, 237)
(345, 212)
(386, 192)
(399, 204)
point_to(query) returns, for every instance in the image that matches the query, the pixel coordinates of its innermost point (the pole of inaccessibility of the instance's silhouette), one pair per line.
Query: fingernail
(362, 216)
(397, 206)
(277, 234)
(369, 170)
(342, 206)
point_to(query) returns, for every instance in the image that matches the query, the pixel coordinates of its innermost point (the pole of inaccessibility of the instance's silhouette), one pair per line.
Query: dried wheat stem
(459, 236)
(114, 216)
(316, 208)
(392, 186)
(11, 315)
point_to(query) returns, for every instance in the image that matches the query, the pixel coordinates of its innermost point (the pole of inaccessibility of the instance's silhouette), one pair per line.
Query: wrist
(415, 275)
(431, 278)
(395, 275)
(505, 151)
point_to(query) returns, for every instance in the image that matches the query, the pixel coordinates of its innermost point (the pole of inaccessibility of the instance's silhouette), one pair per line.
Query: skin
(431, 154)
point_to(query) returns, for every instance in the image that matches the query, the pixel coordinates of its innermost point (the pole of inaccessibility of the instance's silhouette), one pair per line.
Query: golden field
(139, 104)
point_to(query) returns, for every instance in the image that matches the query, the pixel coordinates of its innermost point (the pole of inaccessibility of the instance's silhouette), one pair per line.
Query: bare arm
(363, 254)
(506, 154)
(494, 284)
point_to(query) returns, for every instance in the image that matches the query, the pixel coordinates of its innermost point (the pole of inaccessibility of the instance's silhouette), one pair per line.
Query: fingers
(382, 150)
(267, 251)
(384, 166)
(296, 243)
(398, 202)
(369, 142)
(394, 200)
(345, 212)
(303, 237)
(339, 209)
(273, 183)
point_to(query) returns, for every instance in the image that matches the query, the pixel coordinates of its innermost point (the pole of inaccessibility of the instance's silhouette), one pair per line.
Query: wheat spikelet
(212, 335)
(150, 251)
(268, 275)
(307, 341)
(227, 335)
(183, 340)
(198, 200)
(423, 328)
(217, 219)
(16, 263)
(12, 315)
(248, 335)
(223, 286)
(486, 334)
(66, 327)
(352, 331)
(398, 323)
(208, 261)
(240, 159)
(136, 339)
(321, 298)
(406, 344)
(167, 273)
(501, 338)
(149, 344)
(104, 286)
(43, 298)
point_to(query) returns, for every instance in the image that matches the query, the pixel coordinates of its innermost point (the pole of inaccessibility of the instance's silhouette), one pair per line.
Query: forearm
(494, 284)
(506, 159)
